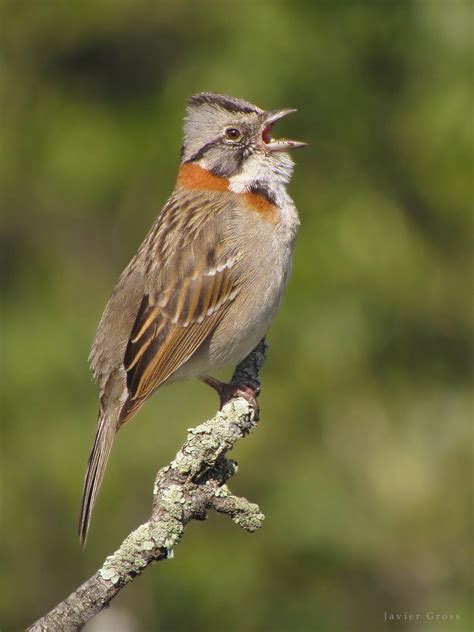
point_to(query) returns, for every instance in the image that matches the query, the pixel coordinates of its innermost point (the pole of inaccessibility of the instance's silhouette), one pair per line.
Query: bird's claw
(228, 391)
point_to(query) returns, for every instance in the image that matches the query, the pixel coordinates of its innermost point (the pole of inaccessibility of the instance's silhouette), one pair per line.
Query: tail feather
(104, 437)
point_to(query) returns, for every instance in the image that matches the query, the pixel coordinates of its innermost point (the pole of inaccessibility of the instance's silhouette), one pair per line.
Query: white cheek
(264, 169)
(251, 170)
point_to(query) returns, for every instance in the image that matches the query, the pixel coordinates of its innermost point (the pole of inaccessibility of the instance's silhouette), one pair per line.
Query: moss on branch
(184, 490)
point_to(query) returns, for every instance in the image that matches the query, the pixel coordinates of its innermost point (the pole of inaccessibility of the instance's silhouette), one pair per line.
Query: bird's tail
(104, 437)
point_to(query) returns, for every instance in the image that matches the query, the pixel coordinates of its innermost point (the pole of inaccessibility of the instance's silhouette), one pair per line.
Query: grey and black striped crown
(224, 101)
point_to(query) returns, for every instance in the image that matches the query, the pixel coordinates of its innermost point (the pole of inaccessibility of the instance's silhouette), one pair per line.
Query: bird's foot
(227, 391)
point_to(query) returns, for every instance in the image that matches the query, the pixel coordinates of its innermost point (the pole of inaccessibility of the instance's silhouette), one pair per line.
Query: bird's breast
(265, 251)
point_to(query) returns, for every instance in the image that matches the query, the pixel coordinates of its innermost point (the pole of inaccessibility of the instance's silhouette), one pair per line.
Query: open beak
(279, 144)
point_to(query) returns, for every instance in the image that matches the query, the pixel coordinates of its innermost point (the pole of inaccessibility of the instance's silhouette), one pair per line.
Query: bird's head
(232, 138)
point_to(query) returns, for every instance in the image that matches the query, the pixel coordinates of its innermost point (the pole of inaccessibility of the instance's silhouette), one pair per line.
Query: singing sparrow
(207, 281)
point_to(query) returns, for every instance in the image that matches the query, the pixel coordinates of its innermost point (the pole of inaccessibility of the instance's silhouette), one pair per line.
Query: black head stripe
(260, 188)
(231, 104)
(202, 152)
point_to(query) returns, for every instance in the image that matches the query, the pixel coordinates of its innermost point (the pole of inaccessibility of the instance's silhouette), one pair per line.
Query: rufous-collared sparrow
(207, 281)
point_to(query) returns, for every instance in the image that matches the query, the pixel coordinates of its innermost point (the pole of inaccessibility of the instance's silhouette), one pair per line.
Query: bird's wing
(192, 278)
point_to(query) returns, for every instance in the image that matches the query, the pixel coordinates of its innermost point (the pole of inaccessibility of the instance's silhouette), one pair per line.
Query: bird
(208, 279)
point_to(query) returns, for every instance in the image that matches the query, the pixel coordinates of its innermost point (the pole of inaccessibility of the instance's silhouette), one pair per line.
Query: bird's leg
(242, 388)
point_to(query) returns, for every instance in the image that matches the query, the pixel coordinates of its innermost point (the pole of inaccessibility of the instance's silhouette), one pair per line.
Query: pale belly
(244, 324)
(253, 310)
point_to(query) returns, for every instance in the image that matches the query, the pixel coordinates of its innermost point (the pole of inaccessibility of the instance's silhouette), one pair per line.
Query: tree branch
(184, 490)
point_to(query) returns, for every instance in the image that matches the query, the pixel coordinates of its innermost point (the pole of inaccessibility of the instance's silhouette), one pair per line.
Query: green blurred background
(361, 462)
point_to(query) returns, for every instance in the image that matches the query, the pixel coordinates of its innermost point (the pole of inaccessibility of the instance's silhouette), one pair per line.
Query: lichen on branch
(184, 490)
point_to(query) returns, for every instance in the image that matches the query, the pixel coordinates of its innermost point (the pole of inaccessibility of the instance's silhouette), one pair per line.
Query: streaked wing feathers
(172, 325)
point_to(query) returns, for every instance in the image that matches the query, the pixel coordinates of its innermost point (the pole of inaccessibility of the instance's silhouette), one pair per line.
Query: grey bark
(184, 490)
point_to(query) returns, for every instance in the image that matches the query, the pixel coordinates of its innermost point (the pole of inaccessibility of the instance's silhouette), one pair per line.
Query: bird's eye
(232, 133)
